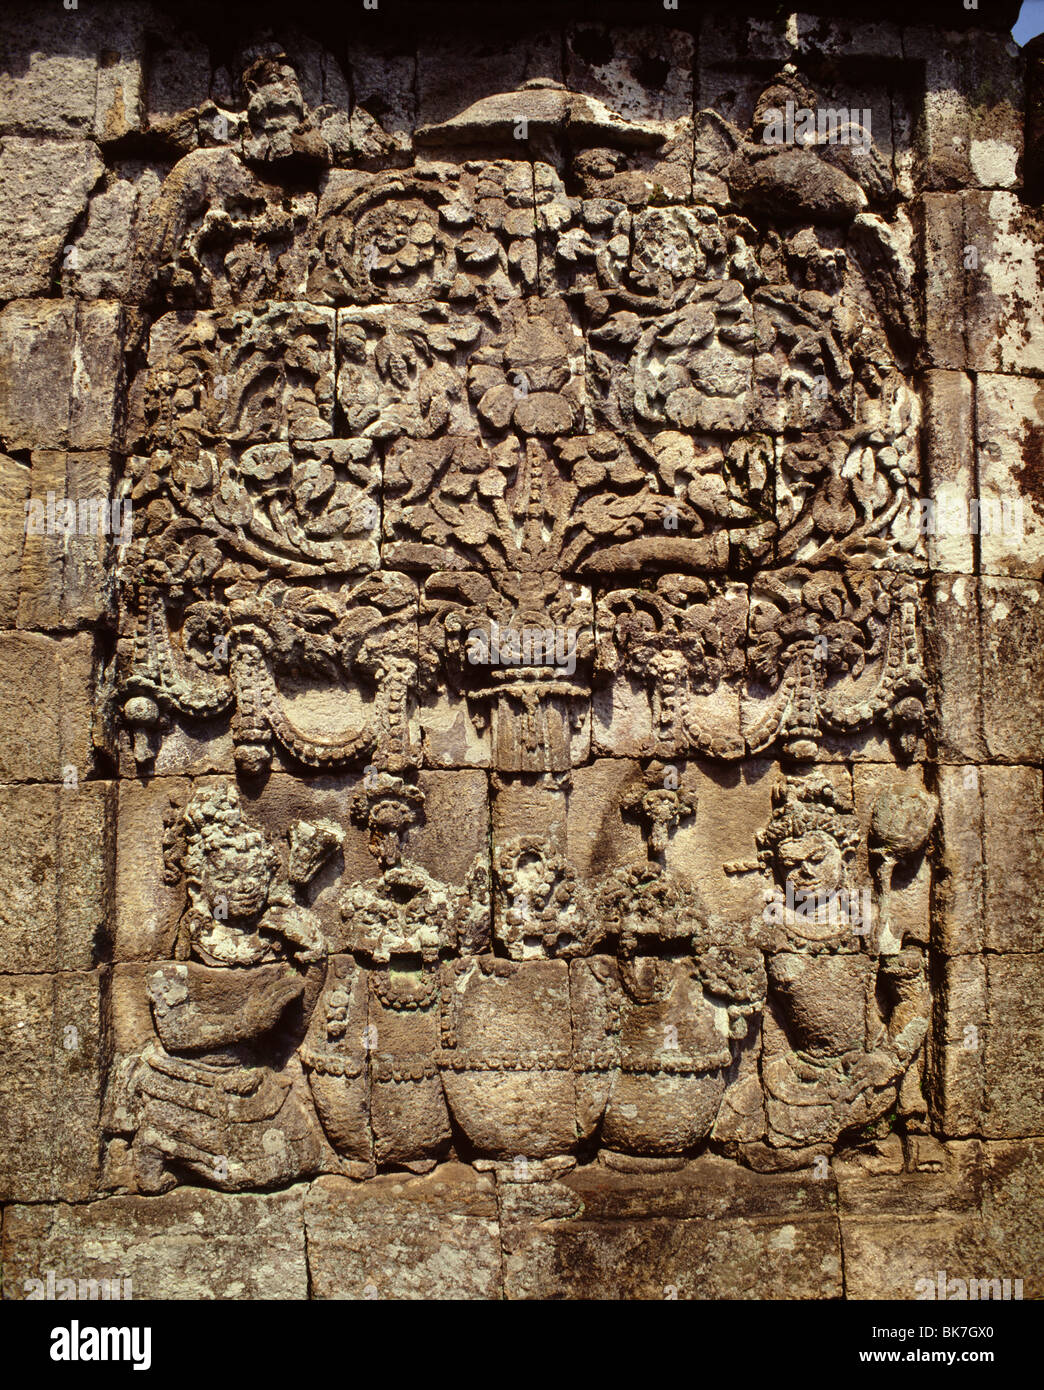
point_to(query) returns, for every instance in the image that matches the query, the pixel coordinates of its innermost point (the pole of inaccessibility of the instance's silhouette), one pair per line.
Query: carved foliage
(452, 443)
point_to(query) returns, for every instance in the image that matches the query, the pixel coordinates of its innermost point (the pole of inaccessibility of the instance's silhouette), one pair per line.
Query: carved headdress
(803, 805)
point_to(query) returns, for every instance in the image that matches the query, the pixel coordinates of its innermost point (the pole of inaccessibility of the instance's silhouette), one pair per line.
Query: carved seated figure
(240, 911)
(218, 1093)
(843, 1020)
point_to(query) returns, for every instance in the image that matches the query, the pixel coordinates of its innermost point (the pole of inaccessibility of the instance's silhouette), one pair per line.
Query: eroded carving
(218, 1093)
(517, 465)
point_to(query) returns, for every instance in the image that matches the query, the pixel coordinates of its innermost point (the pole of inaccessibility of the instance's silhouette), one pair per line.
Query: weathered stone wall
(521, 681)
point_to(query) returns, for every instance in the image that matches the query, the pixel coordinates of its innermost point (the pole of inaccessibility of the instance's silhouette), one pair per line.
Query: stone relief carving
(218, 1092)
(448, 467)
(642, 1021)
(847, 1000)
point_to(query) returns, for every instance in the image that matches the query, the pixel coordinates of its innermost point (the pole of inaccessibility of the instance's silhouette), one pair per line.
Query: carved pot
(507, 1065)
(674, 1056)
(335, 1057)
(595, 999)
(410, 1118)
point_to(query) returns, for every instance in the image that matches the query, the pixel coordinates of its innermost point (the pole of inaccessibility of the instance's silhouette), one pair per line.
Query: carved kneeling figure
(218, 1092)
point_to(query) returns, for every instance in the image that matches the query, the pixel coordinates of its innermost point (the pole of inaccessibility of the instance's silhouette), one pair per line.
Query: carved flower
(180, 563)
(148, 476)
(599, 459)
(832, 509)
(838, 616)
(402, 243)
(478, 249)
(525, 382)
(265, 461)
(693, 369)
(203, 628)
(673, 245)
(193, 474)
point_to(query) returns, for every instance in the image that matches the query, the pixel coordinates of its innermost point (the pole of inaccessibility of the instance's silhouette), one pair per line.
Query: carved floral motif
(484, 462)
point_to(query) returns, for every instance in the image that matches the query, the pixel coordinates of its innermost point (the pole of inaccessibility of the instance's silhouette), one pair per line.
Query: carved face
(276, 104)
(239, 871)
(813, 863)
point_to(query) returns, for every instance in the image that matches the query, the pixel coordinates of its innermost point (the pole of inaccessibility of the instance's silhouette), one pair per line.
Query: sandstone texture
(521, 677)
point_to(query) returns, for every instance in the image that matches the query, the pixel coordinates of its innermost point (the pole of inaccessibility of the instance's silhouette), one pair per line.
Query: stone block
(1013, 820)
(982, 287)
(902, 890)
(72, 73)
(839, 36)
(949, 469)
(709, 1188)
(918, 1175)
(434, 1237)
(46, 692)
(944, 282)
(101, 262)
(1010, 452)
(1004, 305)
(1012, 1211)
(178, 80)
(921, 1257)
(119, 107)
(954, 662)
(56, 900)
(72, 524)
(61, 373)
(971, 129)
(384, 84)
(52, 1043)
(454, 72)
(733, 803)
(958, 1093)
(517, 1014)
(958, 889)
(928, 1235)
(14, 490)
(1013, 1059)
(658, 1259)
(54, 178)
(53, 558)
(50, 79)
(1012, 618)
(189, 1244)
(735, 52)
(644, 74)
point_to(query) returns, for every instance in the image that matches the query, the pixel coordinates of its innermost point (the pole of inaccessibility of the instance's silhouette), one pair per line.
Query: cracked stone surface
(520, 655)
